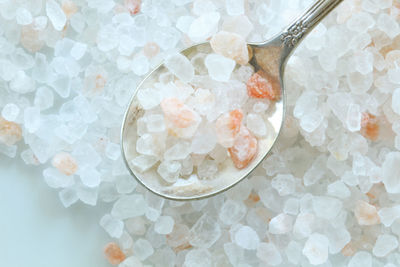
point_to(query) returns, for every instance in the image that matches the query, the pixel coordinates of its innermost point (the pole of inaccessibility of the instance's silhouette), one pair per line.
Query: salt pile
(326, 195)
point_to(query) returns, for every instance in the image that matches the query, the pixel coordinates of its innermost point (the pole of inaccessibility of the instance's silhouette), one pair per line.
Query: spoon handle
(296, 32)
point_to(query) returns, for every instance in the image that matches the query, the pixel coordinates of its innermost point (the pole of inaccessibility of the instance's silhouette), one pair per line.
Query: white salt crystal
(90, 177)
(23, 16)
(113, 151)
(183, 23)
(164, 225)
(316, 249)
(155, 123)
(131, 261)
(128, 206)
(269, 253)
(246, 238)
(389, 215)
(78, 50)
(232, 212)
(143, 249)
(32, 119)
(255, 123)
(293, 252)
(291, 206)
(360, 22)
(201, 7)
(22, 83)
(281, 224)
(391, 170)
(353, 120)
(219, 153)
(187, 166)
(198, 258)
(359, 83)
(338, 189)
(56, 15)
(238, 24)
(396, 101)
(44, 98)
(68, 197)
(338, 237)
(364, 62)
(56, 179)
(326, 207)
(219, 68)
(140, 65)
(284, 184)
(393, 75)
(169, 170)
(388, 24)
(385, 244)
(10, 112)
(88, 195)
(145, 145)
(234, 253)
(204, 140)
(149, 98)
(207, 169)
(204, 26)
(205, 232)
(142, 163)
(234, 7)
(112, 226)
(361, 258)
(178, 151)
(9, 151)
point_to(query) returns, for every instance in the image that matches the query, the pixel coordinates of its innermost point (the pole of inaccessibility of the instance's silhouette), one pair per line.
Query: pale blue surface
(37, 231)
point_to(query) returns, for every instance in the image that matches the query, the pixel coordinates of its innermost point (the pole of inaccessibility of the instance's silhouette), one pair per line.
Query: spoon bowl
(270, 57)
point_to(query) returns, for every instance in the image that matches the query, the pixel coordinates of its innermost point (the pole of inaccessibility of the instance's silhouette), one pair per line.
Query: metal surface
(271, 57)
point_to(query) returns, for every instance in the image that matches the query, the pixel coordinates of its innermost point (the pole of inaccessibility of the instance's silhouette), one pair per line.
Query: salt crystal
(385, 244)
(22, 83)
(293, 252)
(145, 145)
(23, 16)
(44, 98)
(183, 23)
(65, 163)
(113, 227)
(205, 232)
(389, 215)
(56, 179)
(125, 184)
(353, 121)
(56, 15)
(155, 123)
(396, 101)
(128, 206)
(255, 123)
(131, 261)
(207, 169)
(246, 238)
(178, 151)
(284, 184)
(198, 258)
(90, 177)
(234, 253)
(232, 212)
(230, 45)
(269, 253)
(204, 140)
(68, 197)
(234, 7)
(360, 22)
(149, 98)
(366, 214)
(154, 206)
(291, 206)
(113, 151)
(359, 83)
(326, 207)
(281, 224)
(164, 225)
(140, 65)
(78, 50)
(143, 249)
(10, 112)
(142, 163)
(391, 169)
(187, 166)
(201, 7)
(338, 189)
(169, 170)
(219, 68)
(361, 258)
(219, 154)
(364, 61)
(9, 151)
(114, 253)
(316, 249)
(388, 24)
(204, 26)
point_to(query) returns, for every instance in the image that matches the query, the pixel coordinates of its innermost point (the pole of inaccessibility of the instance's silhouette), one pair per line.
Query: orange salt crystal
(151, 49)
(177, 112)
(69, 8)
(114, 254)
(10, 132)
(244, 148)
(236, 117)
(349, 250)
(253, 198)
(369, 126)
(133, 6)
(228, 126)
(366, 214)
(65, 163)
(262, 85)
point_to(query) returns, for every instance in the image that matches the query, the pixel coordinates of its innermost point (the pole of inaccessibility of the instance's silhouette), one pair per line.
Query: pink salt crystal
(227, 127)
(262, 85)
(69, 8)
(369, 126)
(178, 113)
(65, 163)
(10, 132)
(133, 6)
(178, 239)
(151, 49)
(244, 148)
(114, 254)
(366, 213)
(230, 45)
(31, 39)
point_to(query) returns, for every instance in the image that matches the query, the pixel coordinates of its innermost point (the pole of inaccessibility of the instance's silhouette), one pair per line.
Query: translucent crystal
(155, 123)
(68, 197)
(207, 169)
(391, 168)
(326, 207)
(128, 206)
(395, 101)
(281, 224)
(246, 238)
(316, 249)
(169, 170)
(361, 258)
(353, 121)
(338, 189)
(149, 98)
(198, 258)
(204, 26)
(143, 249)
(388, 25)
(205, 232)
(232, 212)
(142, 163)
(293, 252)
(10, 112)
(385, 244)
(178, 151)
(113, 227)
(234, 7)
(360, 22)
(145, 145)
(23, 16)
(389, 215)
(255, 123)
(90, 177)
(284, 184)
(164, 225)
(269, 253)
(56, 15)
(219, 67)
(44, 98)
(179, 65)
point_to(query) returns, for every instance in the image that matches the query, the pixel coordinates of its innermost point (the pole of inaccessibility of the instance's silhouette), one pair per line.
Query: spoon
(271, 57)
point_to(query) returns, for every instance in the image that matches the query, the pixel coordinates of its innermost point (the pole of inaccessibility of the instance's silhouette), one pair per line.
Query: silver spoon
(271, 57)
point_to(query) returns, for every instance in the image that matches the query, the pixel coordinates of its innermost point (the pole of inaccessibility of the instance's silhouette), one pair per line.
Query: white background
(35, 228)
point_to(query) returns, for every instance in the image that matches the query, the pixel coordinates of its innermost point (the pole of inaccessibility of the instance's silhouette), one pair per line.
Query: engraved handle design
(296, 32)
